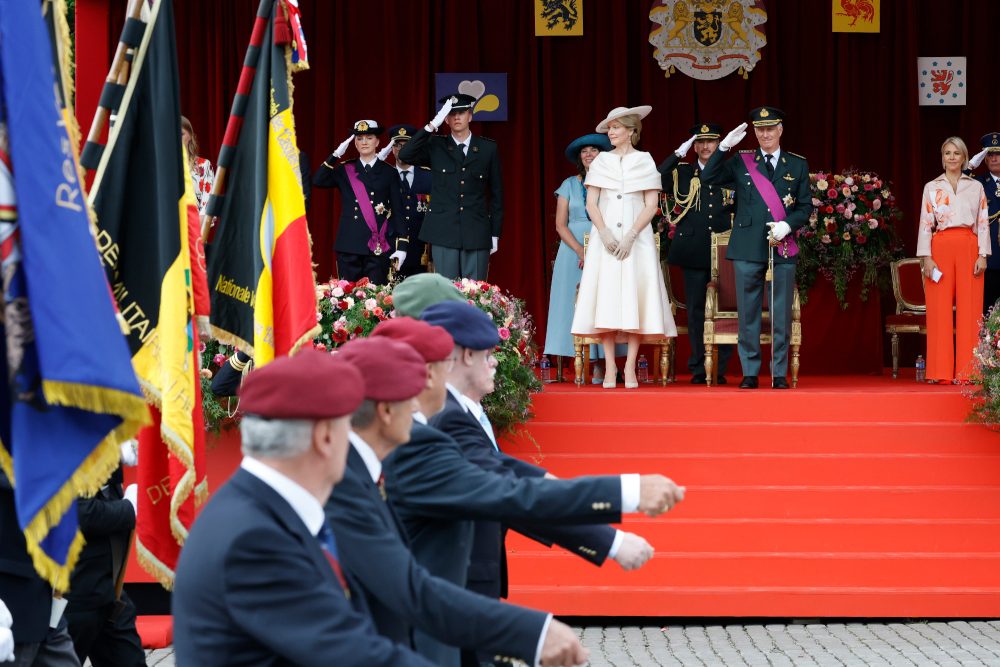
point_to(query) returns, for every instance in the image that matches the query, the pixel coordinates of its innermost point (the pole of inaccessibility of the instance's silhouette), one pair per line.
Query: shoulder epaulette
(425, 168)
(353, 159)
(801, 157)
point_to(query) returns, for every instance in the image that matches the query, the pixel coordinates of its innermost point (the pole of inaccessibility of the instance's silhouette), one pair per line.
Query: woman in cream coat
(622, 297)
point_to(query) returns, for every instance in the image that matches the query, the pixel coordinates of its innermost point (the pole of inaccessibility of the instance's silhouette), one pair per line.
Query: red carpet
(850, 496)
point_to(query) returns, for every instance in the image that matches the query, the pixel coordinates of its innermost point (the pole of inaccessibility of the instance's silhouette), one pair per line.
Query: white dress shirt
(368, 164)
(367, 455)
(409, 174)
(776, 154)
(303, 503)
(464, 145)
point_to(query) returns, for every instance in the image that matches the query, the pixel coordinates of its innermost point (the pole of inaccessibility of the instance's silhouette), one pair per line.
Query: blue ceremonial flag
(70, 394)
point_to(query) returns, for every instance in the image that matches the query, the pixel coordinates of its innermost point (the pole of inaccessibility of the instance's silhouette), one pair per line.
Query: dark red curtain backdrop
(851, 100)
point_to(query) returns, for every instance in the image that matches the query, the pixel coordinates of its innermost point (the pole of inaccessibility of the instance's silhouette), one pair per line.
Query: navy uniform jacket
(27, 595)
(254, 587)
(414, 201)
(791, 179)
(993, 197)
(353, 234)
(712, 212)
(401, 594)
(461, 214)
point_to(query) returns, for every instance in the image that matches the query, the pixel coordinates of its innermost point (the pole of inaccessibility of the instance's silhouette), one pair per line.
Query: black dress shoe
(749, 382)
(779, 383)
(721, 380)
(697, 379)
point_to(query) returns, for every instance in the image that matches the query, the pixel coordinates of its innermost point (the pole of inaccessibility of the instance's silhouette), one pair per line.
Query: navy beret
(470, 327)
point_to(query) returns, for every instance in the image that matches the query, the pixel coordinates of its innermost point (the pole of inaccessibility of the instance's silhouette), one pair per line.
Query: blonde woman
(622, 296)
(953, 242)
(202, 171)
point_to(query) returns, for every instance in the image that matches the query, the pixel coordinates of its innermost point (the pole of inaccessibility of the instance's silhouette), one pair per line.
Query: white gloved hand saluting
(129, 455)
(384, 153)
(978, 158)
(779, 230)
(400, 255)
(342, 148)
(609, 240)
(441, 114)
(633, 552)
(683, 149)
(734, 137)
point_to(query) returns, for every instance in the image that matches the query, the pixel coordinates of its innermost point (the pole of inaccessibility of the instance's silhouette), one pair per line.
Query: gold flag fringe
(154, 566)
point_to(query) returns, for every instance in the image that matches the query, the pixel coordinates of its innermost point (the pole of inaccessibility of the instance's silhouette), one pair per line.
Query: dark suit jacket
(461, 214)
(415, 200)
(254, 587)
(791, 179)
(106, 521)
(227, 379)
(401, 594)
(993, 197)
(27, 595)
(691, 245)
(381, 183)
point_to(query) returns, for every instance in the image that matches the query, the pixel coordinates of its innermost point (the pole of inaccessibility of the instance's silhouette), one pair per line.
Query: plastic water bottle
(921, 368)
(546, 368)
(642, 370)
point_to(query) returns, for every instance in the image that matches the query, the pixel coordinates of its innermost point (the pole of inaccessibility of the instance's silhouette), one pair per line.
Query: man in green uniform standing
(772, 202)
(464, 222)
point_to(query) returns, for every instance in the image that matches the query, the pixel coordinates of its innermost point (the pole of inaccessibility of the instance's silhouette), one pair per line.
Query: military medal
(377, 251)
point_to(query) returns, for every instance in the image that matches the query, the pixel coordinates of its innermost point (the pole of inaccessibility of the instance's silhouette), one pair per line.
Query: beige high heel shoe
(610, 377)
(634, 383)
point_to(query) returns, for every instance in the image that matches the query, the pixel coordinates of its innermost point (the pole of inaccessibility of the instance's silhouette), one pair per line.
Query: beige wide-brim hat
(618, 112)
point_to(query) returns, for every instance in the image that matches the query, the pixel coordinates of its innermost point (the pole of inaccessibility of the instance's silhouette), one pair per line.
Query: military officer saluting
(991, 184)
(370, 234)
(415, 193)
(772, 202)
(697, 210)
(466, 210)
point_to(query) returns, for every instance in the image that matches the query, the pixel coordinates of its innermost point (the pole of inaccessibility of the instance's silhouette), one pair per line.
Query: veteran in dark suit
(991, 184)
(371, 233)
(696, 210)
(772, 202)
(465, 218)
(415, 195)
(259, 580)
(401, 594)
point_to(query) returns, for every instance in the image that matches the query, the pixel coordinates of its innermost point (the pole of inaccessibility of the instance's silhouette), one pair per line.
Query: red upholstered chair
(722, 320)
(673, 278)
(911, 306)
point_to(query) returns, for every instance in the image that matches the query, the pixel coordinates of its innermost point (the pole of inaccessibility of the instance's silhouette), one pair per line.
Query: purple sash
(378, 243)
(787, 246)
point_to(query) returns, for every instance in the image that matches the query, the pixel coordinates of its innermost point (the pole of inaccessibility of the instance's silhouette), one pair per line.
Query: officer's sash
(378, 243)
(787, 246)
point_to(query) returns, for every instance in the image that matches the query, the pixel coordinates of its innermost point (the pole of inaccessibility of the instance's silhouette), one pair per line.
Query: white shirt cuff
(613, 551)
(541, 641)
(630, 493)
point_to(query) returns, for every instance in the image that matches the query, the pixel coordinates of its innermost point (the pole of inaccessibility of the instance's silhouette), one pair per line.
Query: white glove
(132, 495)
(496, 244)
(6, 645)
(384, 153)
(779, 230)
(734, 137)
(633, 552)
(978, 158)
(6, 620)
(609, 240)
(400, 255)
(129, 453)
(625, 246)
(342, 148)
(683, 149)
(441, 114)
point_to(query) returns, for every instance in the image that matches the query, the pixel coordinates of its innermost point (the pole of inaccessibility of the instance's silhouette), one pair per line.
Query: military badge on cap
(398, 133)
(766, 116)
(711, 131)
(367, 127)
(459, 101)
(991, 142)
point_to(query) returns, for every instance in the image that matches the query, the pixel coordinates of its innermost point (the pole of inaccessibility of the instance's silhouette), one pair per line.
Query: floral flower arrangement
(852, 228)
(985, 389)
(349, 310)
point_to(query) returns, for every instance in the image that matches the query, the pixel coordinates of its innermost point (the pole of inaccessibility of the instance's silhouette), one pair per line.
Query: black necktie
(368, 168)
(770, 167)
(405, 175)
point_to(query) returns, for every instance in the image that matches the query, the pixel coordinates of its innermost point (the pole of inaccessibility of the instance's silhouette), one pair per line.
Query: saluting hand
(683, 149)
(657, 494)
(342, 148)
(734, 137)
(562, 648)
(442, 114)
(384, 153)
(978, 158)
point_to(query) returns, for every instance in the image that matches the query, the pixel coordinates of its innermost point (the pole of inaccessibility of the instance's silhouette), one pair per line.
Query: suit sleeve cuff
(630, 493)
(541, 640)
(613, 551)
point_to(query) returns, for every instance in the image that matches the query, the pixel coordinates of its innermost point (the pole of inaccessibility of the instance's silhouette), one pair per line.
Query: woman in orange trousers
(954, 241)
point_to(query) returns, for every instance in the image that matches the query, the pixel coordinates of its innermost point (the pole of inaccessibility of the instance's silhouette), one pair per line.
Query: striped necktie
(329, 545)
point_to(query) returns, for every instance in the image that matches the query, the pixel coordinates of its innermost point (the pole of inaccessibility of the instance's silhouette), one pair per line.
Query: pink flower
(378, 312)
(342, 284)
(869, 186)
(359, 294)
(877, 204)
(816, 202)
(504, 333)
(849, 181)
(873, 224)
(337, 292)
(831, 193)
(847, 236)
(219, 359)
(319, 346)
(206, 373)
(825, 238)
(841, 208)
(201, 346)
(370, 304)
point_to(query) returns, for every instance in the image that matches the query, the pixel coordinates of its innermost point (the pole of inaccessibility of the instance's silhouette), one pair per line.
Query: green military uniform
(748, 246)
(696, 211)
(466, 207)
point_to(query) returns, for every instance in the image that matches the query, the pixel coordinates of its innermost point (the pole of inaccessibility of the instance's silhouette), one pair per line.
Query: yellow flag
(856, 15)
(558, 18)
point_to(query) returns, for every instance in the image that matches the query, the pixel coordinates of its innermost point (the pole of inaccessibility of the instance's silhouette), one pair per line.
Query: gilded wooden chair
(673, 279)
(581, 344)
(911, 306)
(722, 320)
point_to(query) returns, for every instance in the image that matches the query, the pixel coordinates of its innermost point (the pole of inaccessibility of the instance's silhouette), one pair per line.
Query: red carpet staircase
(850, 496)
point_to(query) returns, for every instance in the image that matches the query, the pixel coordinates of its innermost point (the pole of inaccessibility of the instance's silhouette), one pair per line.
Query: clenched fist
(562, 648)
(657, 494)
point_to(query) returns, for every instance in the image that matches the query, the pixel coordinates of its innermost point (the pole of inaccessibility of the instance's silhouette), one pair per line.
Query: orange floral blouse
(943, 208)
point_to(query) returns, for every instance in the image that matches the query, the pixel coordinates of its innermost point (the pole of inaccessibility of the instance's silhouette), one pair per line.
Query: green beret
(416, 293)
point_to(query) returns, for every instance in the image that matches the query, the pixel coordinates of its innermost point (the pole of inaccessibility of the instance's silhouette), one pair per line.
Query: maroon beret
(393, 371)
(309, 385)
(432, 342)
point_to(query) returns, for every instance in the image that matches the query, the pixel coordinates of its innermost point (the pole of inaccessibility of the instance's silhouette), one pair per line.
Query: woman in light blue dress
(572, 222)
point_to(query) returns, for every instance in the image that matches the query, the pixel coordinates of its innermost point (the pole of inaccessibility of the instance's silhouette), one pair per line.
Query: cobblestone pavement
(819, 645)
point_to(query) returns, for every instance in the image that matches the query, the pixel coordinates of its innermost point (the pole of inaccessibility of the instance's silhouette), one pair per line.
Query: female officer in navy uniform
(415, 193)
(370, 234)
